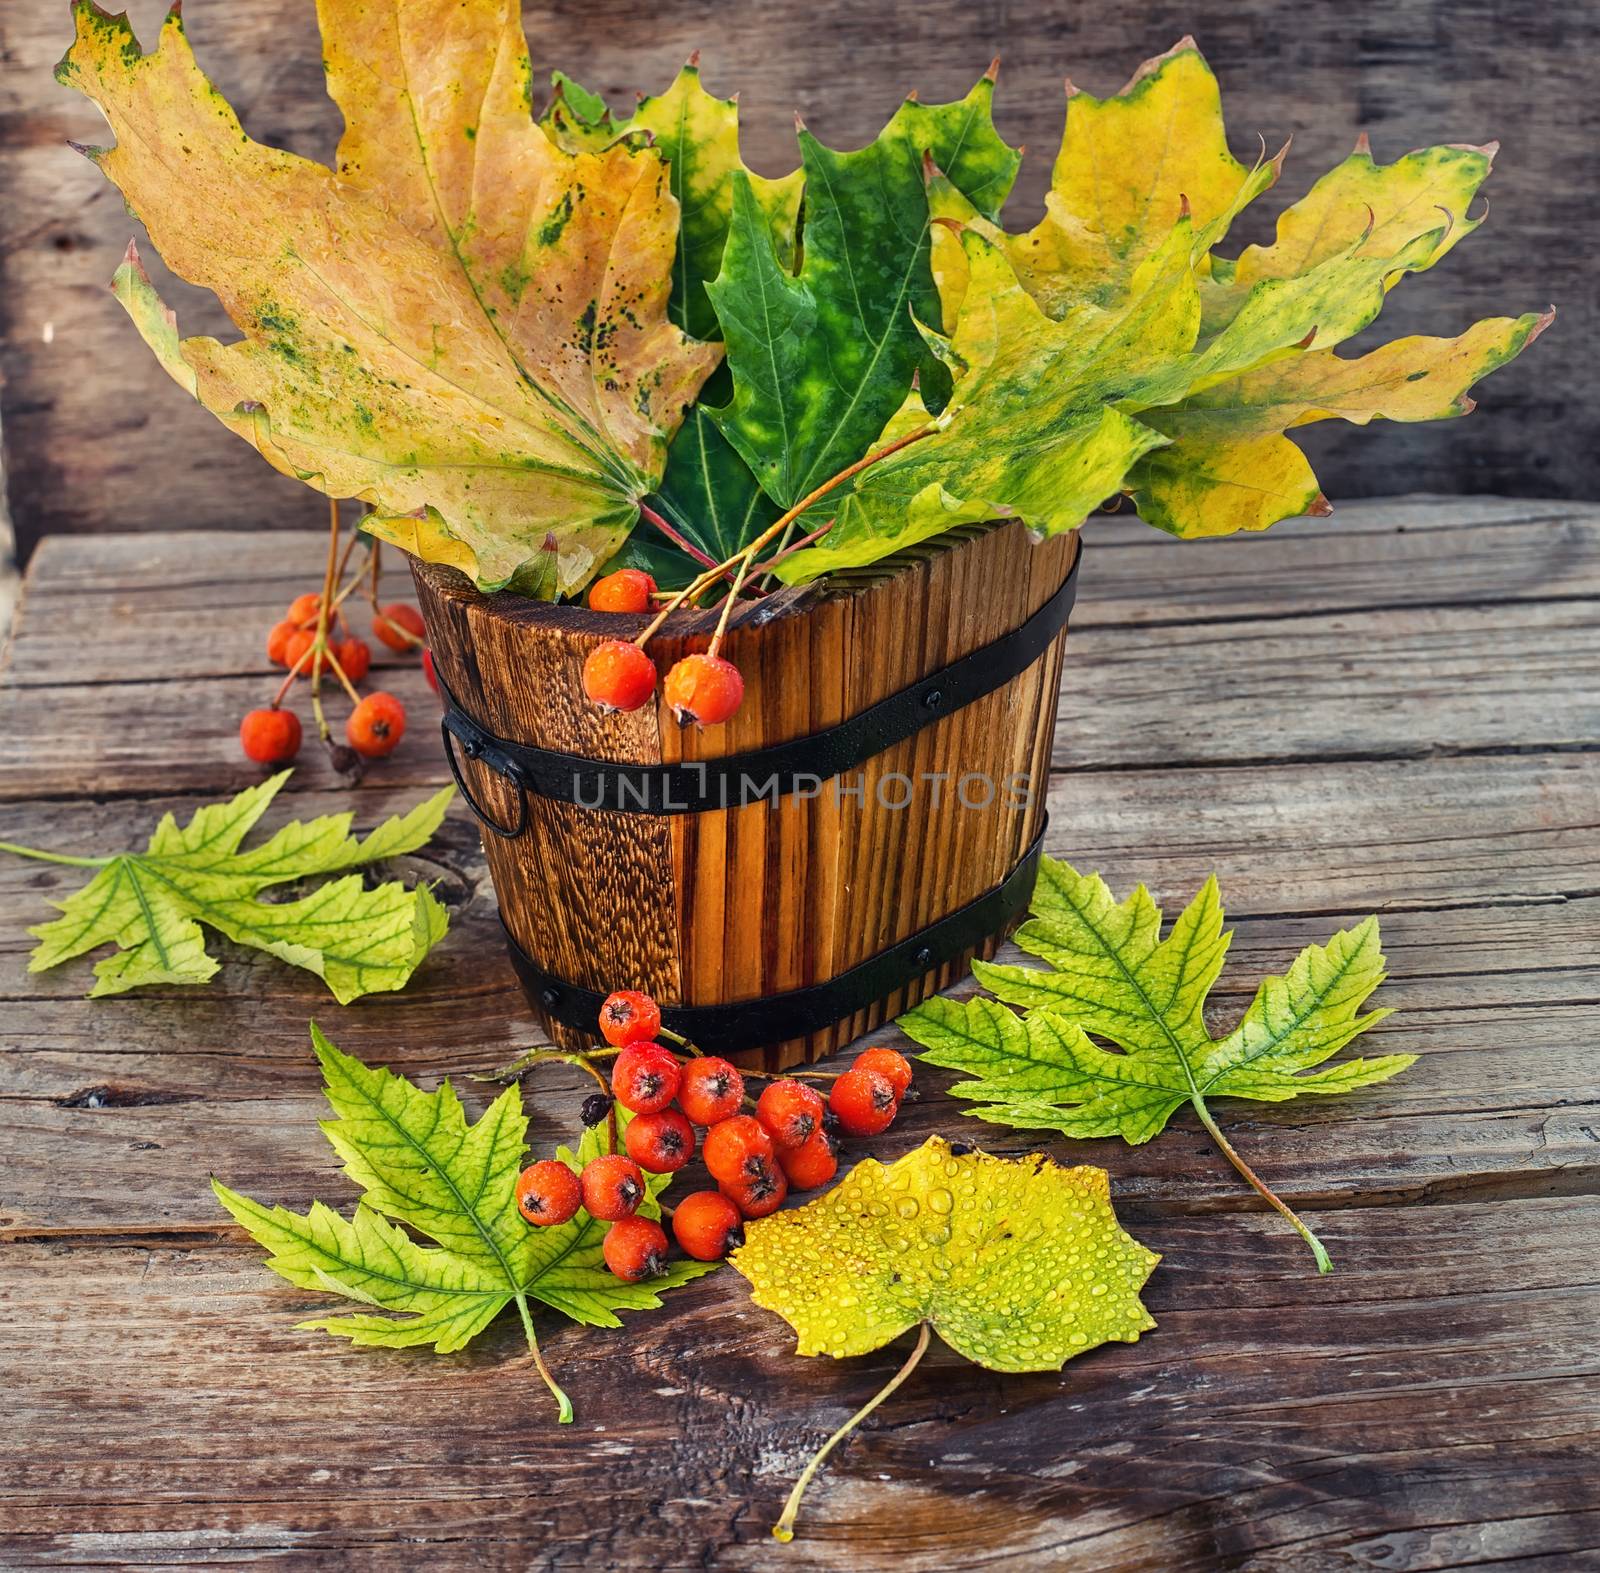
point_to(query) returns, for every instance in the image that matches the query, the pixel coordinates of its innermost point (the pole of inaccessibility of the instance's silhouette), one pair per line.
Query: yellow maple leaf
(464, 325)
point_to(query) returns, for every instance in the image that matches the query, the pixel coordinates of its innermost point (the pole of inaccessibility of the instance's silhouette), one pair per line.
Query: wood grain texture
(1428, 1406)
(97, 437)
(749, 902)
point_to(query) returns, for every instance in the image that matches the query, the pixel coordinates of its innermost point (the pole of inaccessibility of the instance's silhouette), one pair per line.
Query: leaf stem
(1260, 1187)
(784, 1529)
(53, 857)
(678, 539)
(563, 1403)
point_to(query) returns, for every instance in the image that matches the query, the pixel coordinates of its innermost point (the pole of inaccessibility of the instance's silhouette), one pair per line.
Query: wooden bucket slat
(759, 900)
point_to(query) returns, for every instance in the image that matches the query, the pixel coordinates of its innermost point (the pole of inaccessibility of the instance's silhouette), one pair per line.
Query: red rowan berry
(618, 676)
(757, 1197)
(894, 1067)
(399, 626)
(270, 737)
(376, 725)
(428, 671)
(703, 688)
(706, 1223)
(662, 1142)
(645, 1078)
(635, 1249)
(807, 1167)
(864, 1101)
(710, 1090)
(354, 657)
(303, 610)
(294, 651)
(626, 590)
(790, 1112)
(548, 1192)
(738, 1149)
(629, 1017)
(278, 641)
(613, 1187)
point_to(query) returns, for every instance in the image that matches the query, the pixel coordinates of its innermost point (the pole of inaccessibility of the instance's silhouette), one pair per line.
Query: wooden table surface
(1393, 710)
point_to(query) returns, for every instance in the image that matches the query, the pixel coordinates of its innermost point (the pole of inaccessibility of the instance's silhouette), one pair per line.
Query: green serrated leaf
(153, 905)
(419, 1162)
(1110, 973)
(821, 359)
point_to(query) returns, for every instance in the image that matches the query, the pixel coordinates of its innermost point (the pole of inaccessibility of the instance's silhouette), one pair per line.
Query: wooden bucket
(850, 875)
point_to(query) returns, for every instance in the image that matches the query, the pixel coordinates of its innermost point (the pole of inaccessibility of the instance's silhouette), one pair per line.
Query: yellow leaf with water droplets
(1017, 1263)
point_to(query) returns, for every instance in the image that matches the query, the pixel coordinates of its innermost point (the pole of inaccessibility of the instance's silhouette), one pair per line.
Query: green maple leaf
(1111, 974)
(708, 492)
(151, 905)
(817, 359)
(420, 1164)
(1016, 1263)
(822, 358)
(698, 135)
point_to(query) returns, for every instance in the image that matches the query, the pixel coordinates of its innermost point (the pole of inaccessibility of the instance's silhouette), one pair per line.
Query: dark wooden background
(96, 437)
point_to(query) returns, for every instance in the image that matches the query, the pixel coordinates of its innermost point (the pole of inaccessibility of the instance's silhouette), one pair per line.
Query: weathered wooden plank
(138, 1090)
(90, 602)
(95, 430)
(1400, 685)
(1294, 839)
(1431, 1395)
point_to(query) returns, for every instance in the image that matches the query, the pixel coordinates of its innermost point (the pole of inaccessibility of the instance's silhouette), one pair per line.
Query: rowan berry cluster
(705, 689)
(787, 1141)
(309, 644)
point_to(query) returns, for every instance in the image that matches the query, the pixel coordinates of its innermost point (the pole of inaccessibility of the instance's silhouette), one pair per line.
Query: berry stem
(1260, 1187)
(779, 525)
(792, 1075)
(563, 1403)
(294, 672)
(784, 1529)
(324, 731)
(52, 857)
(671, 1037)
(789, 549)
(330, 582)
(727, 608)
(339, 672)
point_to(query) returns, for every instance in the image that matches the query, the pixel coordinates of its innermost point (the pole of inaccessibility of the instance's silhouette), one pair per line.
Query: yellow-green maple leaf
(1143, 190)
(1110, 973)
(1048, 416)
(418, 1162)
(1229, 466)
(153, 905)
(1016, 1263)
(698, 135)
(464, 325)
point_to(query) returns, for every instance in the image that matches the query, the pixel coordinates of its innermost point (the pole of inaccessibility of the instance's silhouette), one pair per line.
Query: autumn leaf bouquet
(546, 348)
